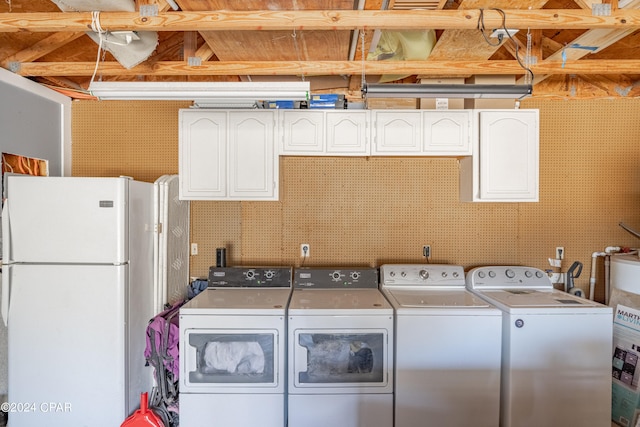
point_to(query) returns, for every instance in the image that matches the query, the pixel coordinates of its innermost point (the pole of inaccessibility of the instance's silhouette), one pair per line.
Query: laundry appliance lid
(345, 301)
(239, 301)
(541, 301)
(458, 298)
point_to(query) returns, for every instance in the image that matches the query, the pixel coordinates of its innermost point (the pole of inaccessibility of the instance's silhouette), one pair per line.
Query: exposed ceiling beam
(314, 68)
(41, 48)
(582, 46)
(621, 19)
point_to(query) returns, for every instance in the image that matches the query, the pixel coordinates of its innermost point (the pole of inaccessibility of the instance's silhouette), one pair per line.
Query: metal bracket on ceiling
(601, 9)
(14, 66)
(194, 61)
(149, 10)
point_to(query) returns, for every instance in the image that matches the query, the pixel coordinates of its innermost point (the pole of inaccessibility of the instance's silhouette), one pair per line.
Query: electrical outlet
(426, 251)
(304, 250)
(559, 252)
(194, 249)
(500, 33)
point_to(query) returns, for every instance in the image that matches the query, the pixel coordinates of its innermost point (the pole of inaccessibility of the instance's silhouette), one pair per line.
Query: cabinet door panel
(251, 155)
(302, 132)
(447, 132)
(397, 132)
(509, 155)
(203, 154)
(347, 132)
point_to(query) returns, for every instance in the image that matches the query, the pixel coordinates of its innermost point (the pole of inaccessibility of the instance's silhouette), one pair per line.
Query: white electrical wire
(97, 28)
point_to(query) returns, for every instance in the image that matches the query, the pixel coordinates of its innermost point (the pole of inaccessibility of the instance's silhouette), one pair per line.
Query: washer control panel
(421, 275)
(250, 277)
(507, 277)
(332, 278)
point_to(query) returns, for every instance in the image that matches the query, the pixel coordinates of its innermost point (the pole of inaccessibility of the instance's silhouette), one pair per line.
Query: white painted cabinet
(324, 132)
(422, 133)
(347, 132)
(447, 132)
(228, 155)
(302, 132)
(505, 164)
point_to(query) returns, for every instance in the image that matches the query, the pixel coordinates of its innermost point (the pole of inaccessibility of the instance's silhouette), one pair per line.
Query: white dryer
(556, 350)
(233, 350)
(447, 348)
(340, 330)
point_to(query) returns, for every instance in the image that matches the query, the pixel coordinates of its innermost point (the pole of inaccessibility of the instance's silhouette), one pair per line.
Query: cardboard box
(625, 393)
(327, 100)
(279, 105)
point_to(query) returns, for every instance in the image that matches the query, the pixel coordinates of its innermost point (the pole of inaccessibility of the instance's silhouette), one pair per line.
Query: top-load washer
(447, 348)
(233, 349)
(556, 350)
(340, 364)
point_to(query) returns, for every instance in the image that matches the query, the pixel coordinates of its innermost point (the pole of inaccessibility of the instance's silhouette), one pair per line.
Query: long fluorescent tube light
(445, 91)
(213, 91)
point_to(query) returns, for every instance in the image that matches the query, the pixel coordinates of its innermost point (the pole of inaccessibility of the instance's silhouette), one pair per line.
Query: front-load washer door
(231, 361)
(330, 360)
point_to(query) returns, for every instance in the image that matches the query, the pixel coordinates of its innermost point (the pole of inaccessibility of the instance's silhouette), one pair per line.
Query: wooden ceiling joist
(316, 68)
(318, 20)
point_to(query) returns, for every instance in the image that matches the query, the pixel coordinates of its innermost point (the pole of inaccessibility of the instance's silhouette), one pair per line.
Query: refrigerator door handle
(6, 253)
(4, 309)
(6, 240)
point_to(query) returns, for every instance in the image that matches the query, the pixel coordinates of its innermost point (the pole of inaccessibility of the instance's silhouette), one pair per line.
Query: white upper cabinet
(234, 155)
(203, 154)
(447, 132)
(302, 132)
(396, 132)
(253, 161)
(422, 133)
(506, 167)
(324, 132)
(347, 132)
(228, 155)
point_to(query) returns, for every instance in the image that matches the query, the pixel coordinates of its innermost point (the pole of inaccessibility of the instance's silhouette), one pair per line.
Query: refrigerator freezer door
(67, 220)
(68, 358)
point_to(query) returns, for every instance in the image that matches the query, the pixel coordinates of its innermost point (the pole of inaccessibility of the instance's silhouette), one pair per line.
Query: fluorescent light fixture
(446, 91)
(214, 92)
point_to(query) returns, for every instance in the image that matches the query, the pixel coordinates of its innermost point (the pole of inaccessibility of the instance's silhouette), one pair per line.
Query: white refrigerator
(77, 295)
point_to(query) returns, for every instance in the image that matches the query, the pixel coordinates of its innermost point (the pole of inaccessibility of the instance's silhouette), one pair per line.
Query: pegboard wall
(368, 211)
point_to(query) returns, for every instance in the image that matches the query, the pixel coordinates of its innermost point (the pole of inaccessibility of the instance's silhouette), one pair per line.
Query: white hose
(607, 282)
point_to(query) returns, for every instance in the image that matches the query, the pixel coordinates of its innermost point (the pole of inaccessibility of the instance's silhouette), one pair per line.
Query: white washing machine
(340, 364)
(447, 348)
(233, 350)
(556, 350)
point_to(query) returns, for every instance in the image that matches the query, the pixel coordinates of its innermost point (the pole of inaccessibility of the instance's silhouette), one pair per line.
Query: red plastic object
(143, 417)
